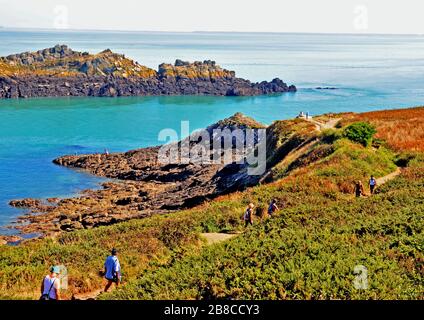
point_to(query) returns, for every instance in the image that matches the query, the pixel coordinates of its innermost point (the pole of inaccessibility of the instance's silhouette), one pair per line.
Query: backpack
(247, 215)
(46, 296)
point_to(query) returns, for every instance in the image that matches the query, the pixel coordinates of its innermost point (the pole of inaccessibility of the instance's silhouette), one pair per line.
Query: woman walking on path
(51, 285)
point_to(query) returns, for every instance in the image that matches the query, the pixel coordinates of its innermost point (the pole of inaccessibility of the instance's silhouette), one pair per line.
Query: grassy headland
(308, 251)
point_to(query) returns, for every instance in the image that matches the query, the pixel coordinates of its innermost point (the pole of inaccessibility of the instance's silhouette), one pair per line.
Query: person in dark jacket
(272, 208)
(359, 189)
(248, 215)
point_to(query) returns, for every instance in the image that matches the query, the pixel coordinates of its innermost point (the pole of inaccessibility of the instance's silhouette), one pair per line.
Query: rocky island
(61, 71)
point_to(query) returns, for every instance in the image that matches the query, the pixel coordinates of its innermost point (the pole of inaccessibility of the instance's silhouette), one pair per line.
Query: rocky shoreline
(61, 72)
(144, 187)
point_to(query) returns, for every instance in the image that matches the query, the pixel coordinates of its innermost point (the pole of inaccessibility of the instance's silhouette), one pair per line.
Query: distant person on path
(50, 285)
(248, 215)
(359, 189)
(373, 184)
(112, 270)
(272, 207)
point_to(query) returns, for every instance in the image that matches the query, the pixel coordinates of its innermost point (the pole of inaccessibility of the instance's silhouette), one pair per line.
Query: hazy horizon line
(2, 28)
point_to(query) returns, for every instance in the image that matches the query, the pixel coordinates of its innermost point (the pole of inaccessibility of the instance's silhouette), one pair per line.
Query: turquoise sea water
(371, 72)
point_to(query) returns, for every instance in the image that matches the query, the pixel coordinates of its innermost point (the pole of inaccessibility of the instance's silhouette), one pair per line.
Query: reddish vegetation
(403, 129)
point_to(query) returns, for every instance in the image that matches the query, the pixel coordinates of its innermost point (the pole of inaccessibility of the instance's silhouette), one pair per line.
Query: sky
(319, 16)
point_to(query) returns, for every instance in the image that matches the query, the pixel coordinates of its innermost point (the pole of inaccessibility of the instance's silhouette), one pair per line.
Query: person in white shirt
(50, 286)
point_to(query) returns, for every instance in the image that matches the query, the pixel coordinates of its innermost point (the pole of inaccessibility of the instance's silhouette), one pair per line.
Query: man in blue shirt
(112, 270)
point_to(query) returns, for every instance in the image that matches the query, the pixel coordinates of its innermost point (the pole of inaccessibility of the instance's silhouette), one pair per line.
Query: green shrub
(360, 132)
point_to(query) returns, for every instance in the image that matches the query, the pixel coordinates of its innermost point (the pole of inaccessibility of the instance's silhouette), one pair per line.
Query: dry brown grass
(402, 129)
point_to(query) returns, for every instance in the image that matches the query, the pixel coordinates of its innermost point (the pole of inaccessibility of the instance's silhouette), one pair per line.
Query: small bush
(360, 132)
(404, 159)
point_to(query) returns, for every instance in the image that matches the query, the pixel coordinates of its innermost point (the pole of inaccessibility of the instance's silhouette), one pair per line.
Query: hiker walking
(112, 270)
(248, 215)
(359, 189)
(50, 285)
(272, 208)
(373, 184)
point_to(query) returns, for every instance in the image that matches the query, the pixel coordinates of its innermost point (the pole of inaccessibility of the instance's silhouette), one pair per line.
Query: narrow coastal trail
(382, 180)
(88, 295)
(330, 124)
(390, 176)
(215, 237)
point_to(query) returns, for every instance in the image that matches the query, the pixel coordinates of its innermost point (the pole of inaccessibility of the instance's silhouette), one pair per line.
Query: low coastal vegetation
(308, 251)
(401, 129)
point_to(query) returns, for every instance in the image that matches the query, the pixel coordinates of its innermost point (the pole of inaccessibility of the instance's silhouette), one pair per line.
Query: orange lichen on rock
(62, 61)
(205, 70)
(61, 71)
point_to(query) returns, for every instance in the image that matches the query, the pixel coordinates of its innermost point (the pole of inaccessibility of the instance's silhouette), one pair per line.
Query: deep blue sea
(371, 72)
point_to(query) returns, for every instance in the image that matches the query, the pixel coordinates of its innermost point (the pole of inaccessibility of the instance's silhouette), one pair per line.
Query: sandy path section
(322, 126)
(390, 176)
(88, 295)
(214, 237)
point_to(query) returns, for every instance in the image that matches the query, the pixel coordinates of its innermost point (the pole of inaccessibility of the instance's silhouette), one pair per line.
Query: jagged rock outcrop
(145, 164)
(148, 186)
(61, 71)
(25, 203)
